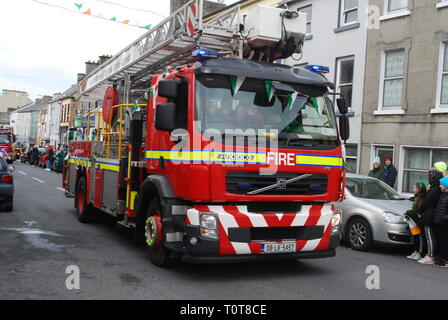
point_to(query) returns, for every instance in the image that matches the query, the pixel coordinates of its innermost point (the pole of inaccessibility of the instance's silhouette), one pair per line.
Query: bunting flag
(83, 7)
(269, 89)
(315, 104)
(236, 82)
(291, 99)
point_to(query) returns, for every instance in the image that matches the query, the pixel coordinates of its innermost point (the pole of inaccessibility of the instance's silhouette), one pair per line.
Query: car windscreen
(371, 189)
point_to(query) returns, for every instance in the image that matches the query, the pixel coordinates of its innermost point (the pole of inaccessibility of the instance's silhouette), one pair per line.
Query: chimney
(90, 66)
(80, 77)
(104, 58)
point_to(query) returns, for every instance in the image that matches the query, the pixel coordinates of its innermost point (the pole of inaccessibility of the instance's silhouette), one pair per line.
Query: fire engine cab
(208, 147)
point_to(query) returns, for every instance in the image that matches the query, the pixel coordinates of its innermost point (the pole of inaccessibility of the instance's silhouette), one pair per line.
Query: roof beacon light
(205, 53)
(317, 68)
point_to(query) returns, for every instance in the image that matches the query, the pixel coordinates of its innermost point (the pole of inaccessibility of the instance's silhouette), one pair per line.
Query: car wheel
(9, 206)
(359, 235)
(154, 236)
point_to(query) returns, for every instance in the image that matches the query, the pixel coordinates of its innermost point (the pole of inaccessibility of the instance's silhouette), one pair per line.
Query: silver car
(373, 212)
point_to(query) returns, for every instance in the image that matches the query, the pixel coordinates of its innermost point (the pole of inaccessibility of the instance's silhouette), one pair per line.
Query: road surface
(42, 237)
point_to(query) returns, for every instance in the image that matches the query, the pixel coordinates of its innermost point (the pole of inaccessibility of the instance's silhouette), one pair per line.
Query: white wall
(23, 124)
(54, 117)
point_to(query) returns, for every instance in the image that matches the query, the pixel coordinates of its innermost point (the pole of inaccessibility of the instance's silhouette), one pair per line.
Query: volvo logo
(281, 183)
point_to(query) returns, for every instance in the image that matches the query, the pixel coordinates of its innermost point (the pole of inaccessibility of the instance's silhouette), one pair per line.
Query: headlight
(336, 221)
(391, 217)
(208, 221)
(208, 226)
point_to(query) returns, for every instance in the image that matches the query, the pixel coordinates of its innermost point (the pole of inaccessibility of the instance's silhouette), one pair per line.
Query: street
(42, 237)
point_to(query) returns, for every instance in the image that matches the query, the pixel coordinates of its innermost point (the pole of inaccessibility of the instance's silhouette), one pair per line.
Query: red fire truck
(6, 144)
(232, 157)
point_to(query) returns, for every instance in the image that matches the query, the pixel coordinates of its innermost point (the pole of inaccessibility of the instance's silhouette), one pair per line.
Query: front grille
(244, 182)
(275, 233)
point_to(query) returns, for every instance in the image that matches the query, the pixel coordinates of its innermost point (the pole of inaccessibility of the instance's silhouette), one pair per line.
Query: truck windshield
(302, 116)
(4, 138)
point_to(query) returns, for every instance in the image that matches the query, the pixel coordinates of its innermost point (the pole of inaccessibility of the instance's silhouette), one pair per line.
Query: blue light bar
(317, 68)
(206, 53)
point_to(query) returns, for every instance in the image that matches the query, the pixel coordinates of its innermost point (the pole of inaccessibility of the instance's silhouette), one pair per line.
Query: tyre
(154, 243)
(359, 235)
(84, 210)
(8, 206)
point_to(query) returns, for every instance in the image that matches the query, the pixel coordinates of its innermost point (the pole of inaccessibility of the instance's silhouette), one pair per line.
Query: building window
(349, 12)
(309, 11)
(393, 78)
(344, 78)
(396, 5)
(417, 163)
(351, 163)
(444, 75)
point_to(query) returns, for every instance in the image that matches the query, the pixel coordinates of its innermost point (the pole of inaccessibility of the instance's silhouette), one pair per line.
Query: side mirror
(165, 116)
(168, 88)
(344, 127)
(342, 105)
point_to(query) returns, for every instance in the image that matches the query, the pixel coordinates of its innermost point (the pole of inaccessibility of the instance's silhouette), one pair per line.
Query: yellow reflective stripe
(133, 195)
(310, 160)
(80, 162)
(207, 156)
(110, 167)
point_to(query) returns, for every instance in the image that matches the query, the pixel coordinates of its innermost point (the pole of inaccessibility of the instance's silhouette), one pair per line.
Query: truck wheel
(154, 236)
(359, 235)
(84, 210)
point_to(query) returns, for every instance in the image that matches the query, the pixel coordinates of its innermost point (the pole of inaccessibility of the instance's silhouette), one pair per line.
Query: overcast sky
(42, 48)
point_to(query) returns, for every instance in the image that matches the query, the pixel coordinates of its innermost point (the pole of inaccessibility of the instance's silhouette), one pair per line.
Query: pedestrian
(60, 159)
(389, 173)
(376, 170)
(414, 221)
(426, 212)
(35, 156)
(49, 158)
(441, 225)
(441, 166)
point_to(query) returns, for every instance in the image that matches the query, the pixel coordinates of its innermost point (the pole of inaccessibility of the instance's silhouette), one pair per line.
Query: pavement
(42, 237)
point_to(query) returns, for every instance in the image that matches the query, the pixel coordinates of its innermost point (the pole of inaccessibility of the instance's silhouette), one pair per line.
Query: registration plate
(278, 247)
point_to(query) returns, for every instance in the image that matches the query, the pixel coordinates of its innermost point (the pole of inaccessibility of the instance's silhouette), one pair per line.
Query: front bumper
(239, 234)
(394, 234)
(251, 258)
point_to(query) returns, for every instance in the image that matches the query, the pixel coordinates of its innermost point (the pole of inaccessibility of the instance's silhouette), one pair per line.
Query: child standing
(415, 222)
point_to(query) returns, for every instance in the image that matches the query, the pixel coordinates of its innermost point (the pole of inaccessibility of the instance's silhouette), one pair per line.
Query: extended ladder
(167, 45)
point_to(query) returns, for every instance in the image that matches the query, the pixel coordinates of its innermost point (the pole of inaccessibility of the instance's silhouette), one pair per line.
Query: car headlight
(208, 226)
(392, 217)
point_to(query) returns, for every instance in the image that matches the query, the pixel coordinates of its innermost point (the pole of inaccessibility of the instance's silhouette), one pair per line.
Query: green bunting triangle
(148, 26)
(236, 82)
(269, 89)
(78, 5)
(315, 104)
(291, 99)
(114, 19)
